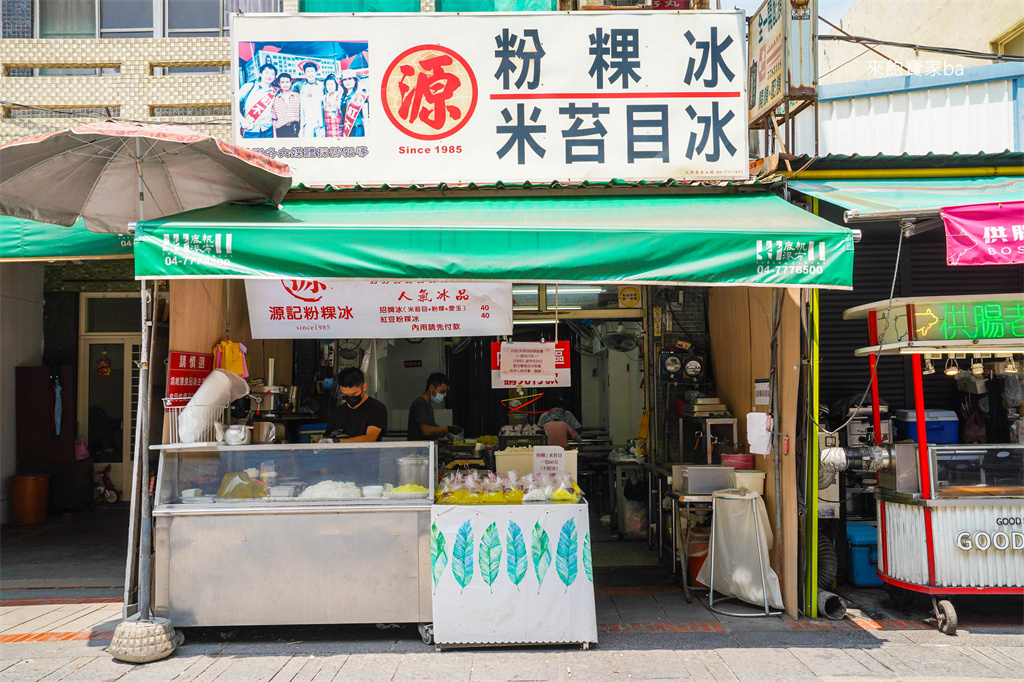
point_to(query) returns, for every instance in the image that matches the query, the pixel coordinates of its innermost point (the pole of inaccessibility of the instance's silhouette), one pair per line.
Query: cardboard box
(522, 459)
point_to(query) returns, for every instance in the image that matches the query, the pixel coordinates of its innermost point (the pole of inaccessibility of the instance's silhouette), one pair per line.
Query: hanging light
(976, 367)
(929, 367)
(952, 368)
(1010, 366)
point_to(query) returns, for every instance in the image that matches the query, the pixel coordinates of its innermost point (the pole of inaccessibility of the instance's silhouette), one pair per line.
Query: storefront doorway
(108, 380)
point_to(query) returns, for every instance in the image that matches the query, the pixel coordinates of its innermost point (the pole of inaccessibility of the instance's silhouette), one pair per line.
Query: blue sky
(833, 10)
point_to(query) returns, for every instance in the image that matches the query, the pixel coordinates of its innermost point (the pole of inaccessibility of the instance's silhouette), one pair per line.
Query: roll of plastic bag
(739, 571)
(196, 420)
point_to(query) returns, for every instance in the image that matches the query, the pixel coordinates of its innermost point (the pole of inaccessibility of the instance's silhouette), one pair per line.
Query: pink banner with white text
(985, 234)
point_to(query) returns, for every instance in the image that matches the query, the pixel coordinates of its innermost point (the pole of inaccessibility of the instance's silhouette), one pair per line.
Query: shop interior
(658, 375)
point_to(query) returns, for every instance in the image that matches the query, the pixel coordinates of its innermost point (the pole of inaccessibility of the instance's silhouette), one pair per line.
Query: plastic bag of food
(238, 485)
(445, 488)
(565, 489)
(537, 488)
(492, 490)
(514, 496)
(469, 489)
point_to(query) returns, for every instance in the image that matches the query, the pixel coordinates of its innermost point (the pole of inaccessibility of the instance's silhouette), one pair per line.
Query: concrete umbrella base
(145, 641)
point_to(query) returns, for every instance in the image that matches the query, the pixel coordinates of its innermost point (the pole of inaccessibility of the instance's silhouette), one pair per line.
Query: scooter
(104, 488)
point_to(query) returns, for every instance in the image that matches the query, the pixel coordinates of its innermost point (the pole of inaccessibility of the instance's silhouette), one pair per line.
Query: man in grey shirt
(422, 424)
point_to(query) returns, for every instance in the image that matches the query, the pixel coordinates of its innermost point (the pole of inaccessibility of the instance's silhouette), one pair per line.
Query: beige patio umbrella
(112, 174)
(93, 171)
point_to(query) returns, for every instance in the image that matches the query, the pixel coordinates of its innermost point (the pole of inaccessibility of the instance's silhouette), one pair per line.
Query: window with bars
(77, 19)
(136, 355)
(141, 18)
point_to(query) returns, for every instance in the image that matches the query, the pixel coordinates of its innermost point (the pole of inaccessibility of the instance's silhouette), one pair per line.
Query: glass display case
(302, 534)
(977, 470)
(296, 474)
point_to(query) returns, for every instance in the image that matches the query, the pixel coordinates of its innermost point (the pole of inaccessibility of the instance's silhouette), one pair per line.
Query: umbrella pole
(142, 425)
(142, 438)
(142, 638)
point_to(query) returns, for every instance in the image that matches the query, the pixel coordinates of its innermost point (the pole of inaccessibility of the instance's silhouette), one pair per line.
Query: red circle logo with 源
(309, 291)
(429, 92)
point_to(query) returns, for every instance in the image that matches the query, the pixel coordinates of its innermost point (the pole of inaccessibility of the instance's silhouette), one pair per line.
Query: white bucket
(751, 479)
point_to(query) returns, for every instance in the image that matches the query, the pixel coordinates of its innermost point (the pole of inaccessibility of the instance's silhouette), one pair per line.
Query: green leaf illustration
(541, 553)
(490, 555)
(462, 555)
(588, 561)
(515, 553)
(438, 554)
(566, 562)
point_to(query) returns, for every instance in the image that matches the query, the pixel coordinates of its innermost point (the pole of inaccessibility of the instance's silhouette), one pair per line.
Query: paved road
(365, 654)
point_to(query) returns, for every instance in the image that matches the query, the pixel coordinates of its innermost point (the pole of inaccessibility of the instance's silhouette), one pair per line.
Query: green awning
(756, 239)
(909, 198)
(28, 240)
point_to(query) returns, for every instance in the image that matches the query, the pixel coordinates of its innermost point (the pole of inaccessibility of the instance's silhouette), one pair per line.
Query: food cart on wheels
(949, 514)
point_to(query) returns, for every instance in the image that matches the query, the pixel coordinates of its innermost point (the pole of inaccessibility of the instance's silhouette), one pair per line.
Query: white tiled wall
(21, 343)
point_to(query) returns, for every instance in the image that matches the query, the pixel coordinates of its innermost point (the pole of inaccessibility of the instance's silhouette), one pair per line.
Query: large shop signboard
(766, 59)
(968, 318)
(781, 54)
(342, 309)
(430, 98)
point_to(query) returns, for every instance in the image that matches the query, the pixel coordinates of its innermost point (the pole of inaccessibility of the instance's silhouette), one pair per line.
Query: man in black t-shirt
(360, 418)
(422, 425)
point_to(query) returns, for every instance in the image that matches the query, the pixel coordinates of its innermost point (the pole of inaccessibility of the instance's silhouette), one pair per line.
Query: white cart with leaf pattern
(512, 574)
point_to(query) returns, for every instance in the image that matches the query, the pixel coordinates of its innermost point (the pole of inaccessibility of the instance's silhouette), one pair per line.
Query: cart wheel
(111, 496)
(947, 618)
(427, 633)
(898, 596)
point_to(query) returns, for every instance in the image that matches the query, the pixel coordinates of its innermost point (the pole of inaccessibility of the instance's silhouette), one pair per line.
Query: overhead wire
(878, 352)
(956, 51)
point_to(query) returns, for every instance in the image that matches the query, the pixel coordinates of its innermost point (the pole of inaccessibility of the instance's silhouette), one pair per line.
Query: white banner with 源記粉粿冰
(357, 309)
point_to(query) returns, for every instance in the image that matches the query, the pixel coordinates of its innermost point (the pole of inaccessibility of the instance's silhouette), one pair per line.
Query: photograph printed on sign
(304, 90)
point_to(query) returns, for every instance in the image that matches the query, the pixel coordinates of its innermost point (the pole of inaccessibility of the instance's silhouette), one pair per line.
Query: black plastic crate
(521, 441)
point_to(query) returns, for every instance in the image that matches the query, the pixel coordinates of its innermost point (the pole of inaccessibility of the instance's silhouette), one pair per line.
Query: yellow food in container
(562, 495)
(238, 485)
(410, 488)
(513, 496)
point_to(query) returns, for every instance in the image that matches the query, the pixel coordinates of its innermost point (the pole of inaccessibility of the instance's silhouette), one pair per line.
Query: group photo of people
(302, 89)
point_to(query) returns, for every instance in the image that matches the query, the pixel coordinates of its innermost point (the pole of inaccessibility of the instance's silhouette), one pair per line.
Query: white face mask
(438, 399)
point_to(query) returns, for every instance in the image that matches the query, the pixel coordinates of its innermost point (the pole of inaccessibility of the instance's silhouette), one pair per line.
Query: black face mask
(353, 400)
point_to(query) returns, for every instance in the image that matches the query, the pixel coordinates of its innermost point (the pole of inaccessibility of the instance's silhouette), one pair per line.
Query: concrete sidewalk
(646, 633)
(58, 612)
(369, 654)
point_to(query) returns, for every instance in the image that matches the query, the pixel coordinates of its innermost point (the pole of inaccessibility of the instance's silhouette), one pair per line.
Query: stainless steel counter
(290, 561)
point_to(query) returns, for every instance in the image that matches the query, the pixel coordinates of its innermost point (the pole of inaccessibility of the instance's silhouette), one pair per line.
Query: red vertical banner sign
(185, 374)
